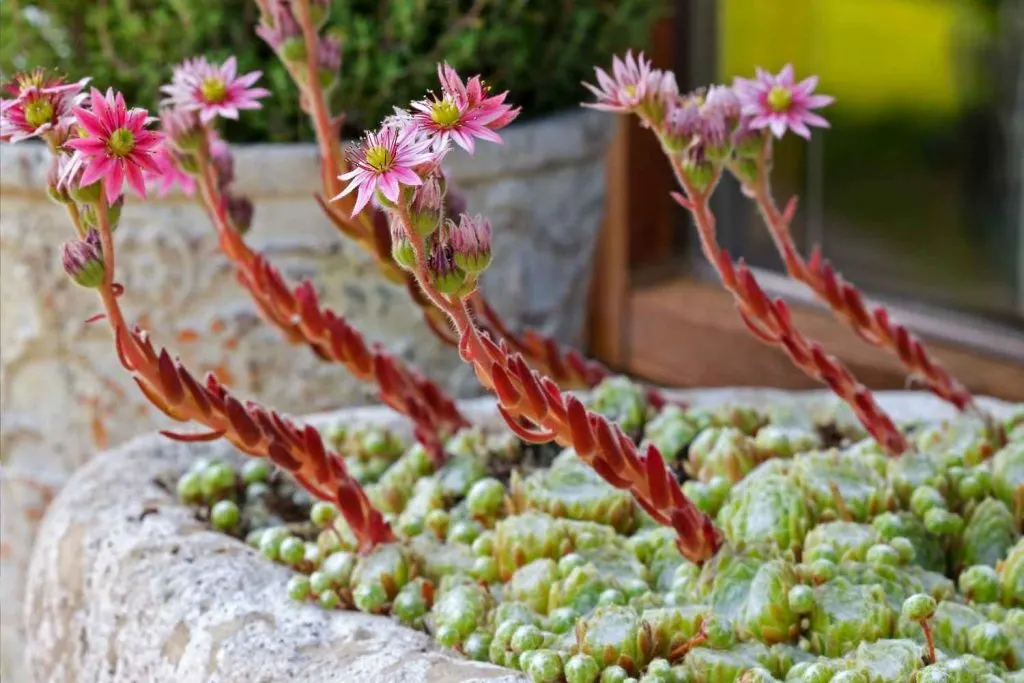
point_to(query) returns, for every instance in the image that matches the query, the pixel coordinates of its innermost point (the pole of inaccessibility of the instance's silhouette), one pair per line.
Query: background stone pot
(125, 585)
(64, 396)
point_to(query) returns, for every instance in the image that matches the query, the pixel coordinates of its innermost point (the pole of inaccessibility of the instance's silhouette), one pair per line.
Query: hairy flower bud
(83, 260)
(445, 273)
(471, 243)
(328, 60)
(182, 128)
(425, 209)
(223, 162)
(280, 30)
(402, 250)
(113, 214)
(54, 188)
(240, 210)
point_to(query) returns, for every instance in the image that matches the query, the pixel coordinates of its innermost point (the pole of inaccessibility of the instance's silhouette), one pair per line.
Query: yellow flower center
(445, 113)
(780, 98)
(213, 89)
(38, 112)
(379, 158)
(121, 142)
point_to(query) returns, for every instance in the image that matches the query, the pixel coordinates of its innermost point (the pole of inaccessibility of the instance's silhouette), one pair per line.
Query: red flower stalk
(769, 320)
(872, 325)
(369, 228)
(537, 411)
(298, 313)
(254, 430)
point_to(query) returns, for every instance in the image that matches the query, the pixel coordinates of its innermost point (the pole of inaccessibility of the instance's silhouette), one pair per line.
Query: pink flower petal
(114, 182)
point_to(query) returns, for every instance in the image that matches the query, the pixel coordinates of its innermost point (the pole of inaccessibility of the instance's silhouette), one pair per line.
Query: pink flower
(631, 83)
(116, 145)
(168, 173)
(212, 90)
(463, 112)
(387, 159)
(41, 103)
(776, 103)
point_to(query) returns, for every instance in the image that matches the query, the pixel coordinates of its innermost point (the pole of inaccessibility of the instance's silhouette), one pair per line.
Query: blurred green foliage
(538, 49)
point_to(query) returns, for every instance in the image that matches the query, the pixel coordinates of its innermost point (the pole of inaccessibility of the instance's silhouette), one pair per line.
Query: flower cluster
(709, 128)
(41, 104)
(464, 111)
(730, 129)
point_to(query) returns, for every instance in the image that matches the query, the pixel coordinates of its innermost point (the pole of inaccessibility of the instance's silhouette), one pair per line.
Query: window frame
(658, 312)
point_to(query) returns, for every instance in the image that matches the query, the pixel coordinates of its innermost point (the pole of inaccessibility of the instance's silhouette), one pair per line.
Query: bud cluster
(281, 27)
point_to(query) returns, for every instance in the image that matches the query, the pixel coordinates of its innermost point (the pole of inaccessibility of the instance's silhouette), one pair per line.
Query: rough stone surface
(64, 396)
(125, 585)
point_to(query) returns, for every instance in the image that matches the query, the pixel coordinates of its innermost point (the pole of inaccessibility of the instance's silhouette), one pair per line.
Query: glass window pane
(916, 191)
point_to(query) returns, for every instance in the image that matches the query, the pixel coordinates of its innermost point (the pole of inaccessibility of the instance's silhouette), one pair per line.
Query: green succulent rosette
(571, 488)
(622, 401)
(848, 540)
(846, 614)
(531, 584)
(912, 470)
(524, 538)
(841, 486)
(1008, 478)
(615, 635)
(779, 441)
(987, 537)
(392, 491)
(671, 627)
(721, 452)
(390, 565)
(766, 615)
(709, 665)
(928, 550)
(769, 509)
(888, 660)
(671, 431)
(1011, 576)
(963, 441)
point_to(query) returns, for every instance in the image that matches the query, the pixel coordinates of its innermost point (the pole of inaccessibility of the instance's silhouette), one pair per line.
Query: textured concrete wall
(125, 584)
(64, 396)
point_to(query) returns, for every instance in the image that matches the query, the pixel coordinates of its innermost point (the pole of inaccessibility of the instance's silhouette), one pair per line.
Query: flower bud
(113, 214)
(240, 210)
(54, 188)
(699, 173)
(402, 250)
(447, 277)
(328, 59)
(223, 162)
(293, 49)
(319, 12)
(747, 142)
(182, 128)
(280, 30)
(425, 210)
(471, 243)
(83, 261)
(89, 194)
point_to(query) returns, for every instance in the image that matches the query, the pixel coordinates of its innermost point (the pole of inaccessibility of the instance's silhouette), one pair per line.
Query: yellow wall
(870, 54)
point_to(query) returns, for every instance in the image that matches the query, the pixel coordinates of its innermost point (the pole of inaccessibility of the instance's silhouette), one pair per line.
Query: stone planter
(125, 585)
(64, 395)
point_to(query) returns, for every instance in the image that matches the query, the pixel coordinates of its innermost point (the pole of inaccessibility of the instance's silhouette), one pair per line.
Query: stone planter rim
(364, 648)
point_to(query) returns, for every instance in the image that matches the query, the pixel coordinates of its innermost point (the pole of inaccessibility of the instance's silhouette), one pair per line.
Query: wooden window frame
(671, 322)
